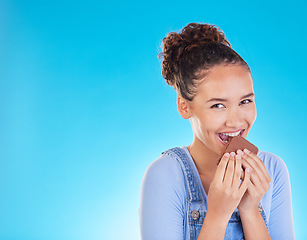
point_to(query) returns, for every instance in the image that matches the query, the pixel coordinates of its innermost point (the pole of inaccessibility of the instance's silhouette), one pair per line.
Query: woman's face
(223, 105)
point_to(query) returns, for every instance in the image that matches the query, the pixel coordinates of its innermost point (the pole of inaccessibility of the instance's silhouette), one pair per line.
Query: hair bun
(193, 35)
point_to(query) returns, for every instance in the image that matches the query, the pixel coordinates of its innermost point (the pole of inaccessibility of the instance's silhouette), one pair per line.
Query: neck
(204, 159)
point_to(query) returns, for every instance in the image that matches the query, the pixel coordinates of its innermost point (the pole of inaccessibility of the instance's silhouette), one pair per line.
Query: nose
(234, 119)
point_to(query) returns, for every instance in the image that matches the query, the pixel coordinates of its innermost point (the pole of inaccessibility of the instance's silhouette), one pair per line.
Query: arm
(161, 208)
(253, 225)
(213, 228)
(281, 220)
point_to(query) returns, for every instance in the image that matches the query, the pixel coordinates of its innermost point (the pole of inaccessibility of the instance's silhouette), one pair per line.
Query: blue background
(84, 108)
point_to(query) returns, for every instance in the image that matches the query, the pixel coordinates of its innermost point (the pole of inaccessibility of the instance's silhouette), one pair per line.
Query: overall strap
(194, 191)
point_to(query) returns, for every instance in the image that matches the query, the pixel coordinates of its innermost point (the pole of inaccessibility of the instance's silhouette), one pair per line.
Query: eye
(218, 105)
(246, 101)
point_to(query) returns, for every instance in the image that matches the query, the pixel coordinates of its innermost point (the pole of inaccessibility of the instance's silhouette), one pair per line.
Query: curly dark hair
(188, 55)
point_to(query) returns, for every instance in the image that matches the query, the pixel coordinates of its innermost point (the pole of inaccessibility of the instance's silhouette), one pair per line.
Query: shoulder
(163, 187)
(165, 168)
(272, 161)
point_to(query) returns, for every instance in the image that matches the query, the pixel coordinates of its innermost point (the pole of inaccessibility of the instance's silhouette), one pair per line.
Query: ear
(183, 107)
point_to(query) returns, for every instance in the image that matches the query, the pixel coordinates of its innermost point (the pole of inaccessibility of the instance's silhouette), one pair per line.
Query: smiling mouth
(225, 137)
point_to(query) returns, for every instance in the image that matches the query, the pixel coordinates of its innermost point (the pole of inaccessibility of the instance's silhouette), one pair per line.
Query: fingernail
(226, 154)
(247, 170)
(232, 154)
(238, 157)
(246, 151)
(240, 152)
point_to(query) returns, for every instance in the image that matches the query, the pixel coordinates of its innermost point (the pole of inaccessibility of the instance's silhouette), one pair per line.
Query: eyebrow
(225, 100)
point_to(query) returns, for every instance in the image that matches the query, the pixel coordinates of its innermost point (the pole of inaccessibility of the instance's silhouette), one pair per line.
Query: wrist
(220, 220)
(214, 226)
(250, 213)
(254, 209)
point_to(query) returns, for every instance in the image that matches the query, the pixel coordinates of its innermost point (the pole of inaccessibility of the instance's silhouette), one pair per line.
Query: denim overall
(198, 203)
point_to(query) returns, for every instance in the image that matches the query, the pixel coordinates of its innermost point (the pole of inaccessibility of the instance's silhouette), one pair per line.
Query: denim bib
(198, 204)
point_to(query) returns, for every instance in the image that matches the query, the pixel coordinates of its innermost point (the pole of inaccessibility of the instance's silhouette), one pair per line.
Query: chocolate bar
(238, 142)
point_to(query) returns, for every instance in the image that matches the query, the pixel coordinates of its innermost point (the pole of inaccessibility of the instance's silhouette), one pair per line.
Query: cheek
(212, 123)
(251, 114)
(203, 125)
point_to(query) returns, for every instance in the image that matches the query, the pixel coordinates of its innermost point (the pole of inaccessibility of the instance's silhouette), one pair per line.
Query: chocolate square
(239, 142)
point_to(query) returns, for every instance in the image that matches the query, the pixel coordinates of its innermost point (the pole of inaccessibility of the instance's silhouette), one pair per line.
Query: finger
(260, 162)
(252, 190)
(254, 178)
(221, 168)
(246, 182)
(240, 152)
(230, 169)
(237, 173)
(255, 166)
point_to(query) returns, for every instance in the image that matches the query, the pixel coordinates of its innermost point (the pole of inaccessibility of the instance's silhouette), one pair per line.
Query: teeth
(232, 134)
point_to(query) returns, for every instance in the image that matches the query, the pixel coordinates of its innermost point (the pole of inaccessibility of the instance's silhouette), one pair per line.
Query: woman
(187, 193)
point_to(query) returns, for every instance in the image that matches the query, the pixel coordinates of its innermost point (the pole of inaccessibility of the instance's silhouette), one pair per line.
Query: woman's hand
(224, 193)
(260, 182)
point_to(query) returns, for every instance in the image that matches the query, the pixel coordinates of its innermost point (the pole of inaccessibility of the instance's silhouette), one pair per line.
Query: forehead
(225, 80)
